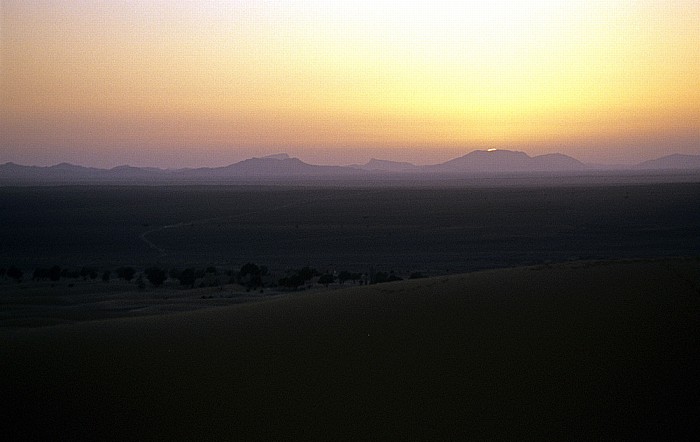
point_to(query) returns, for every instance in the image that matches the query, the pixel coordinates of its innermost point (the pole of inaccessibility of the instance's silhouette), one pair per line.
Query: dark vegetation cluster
(55, 273)
(251, 276)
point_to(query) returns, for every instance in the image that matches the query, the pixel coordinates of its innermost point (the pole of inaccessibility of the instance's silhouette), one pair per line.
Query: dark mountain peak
(554, 155)
(13, 166)
(487, 161)
(126, 171)
(66, 166)
(493, 155)
(508, 161)
(269, 168)
(127, 167)
(378, 161)
(673, 161)
(268, 162)
(556, 162)
(496, 152)
(278, 156)
(387, 165)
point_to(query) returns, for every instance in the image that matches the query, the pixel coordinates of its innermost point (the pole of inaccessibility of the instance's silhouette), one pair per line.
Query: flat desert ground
(579, 350)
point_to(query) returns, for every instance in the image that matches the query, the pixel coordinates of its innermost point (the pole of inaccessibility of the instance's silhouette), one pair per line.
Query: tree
(55, 273)
(296, 278)
(15, 273)
(126, 273)
(251, 275)
(90, 272)
(106, 275)
(248, 269)
(326, 279)
(393, 278)
(139, 282)
(40, 274)
(344, 276)
(379, 278)
(187, 277)
(67, 273)
(155, 275)
(292, 281)
(306, 273)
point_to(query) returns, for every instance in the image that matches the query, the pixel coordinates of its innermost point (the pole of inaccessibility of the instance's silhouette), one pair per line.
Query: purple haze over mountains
(476, 163)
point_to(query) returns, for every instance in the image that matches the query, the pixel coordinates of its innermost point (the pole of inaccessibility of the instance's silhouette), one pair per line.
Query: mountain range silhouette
(475, 163)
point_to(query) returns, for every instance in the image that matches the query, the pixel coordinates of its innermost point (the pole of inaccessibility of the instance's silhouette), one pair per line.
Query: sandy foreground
(593, 350)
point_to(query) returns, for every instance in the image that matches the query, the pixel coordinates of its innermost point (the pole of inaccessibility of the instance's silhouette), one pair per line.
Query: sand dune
(570, 351)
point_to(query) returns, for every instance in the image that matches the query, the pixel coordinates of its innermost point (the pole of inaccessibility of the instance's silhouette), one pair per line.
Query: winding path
(162, 252)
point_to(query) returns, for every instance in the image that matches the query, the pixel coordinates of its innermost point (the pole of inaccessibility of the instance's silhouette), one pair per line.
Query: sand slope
(570, 351)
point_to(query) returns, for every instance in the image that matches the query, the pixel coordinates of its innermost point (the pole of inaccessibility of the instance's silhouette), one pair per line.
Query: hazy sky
(195, 83)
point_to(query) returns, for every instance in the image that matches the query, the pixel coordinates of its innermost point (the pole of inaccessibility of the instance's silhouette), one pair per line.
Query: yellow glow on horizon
(362, 74)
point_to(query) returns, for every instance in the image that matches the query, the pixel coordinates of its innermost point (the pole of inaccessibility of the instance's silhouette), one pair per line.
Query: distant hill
(278, 156)
(485, 161)
(504, 161)
(675, 161)
(556, 162)
(276, 166)
(282, 166)
(387, 166)
(131, 172)
(279, 165)
(58, 172)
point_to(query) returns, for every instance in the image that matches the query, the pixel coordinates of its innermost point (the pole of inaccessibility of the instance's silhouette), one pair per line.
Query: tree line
(250, 275)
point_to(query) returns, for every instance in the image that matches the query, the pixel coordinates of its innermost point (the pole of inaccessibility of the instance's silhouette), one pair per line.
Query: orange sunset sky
(194, 83)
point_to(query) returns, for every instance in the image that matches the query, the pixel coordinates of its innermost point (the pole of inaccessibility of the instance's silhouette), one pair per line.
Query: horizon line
(291, 157)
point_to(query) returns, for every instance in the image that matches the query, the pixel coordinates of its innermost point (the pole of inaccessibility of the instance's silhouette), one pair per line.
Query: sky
(205, 83)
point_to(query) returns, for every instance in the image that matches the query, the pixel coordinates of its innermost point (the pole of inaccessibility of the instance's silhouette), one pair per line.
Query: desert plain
(586, 329)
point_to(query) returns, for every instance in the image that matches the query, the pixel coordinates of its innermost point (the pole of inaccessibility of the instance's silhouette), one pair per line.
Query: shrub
(187, 277)
(40, 274)
(139, 283)
(66, 273)
(251, 275)
(15, 273)
(55, 273)
(126, 273)
(379, 278)
(155, 275)
(326, 279)
(306, 273)
(292, 281)
(90, 272)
